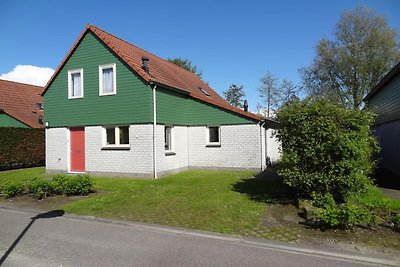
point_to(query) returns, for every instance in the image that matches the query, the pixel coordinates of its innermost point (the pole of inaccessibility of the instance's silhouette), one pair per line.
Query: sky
(232, 42)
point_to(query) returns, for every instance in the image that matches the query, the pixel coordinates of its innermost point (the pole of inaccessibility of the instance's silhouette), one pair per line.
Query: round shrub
(326, 148)
(40, 188)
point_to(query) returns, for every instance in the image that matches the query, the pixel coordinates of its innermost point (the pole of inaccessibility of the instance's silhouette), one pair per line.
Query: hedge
(21, 148)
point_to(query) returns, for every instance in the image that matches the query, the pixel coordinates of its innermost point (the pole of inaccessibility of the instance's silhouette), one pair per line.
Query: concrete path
(29, 238)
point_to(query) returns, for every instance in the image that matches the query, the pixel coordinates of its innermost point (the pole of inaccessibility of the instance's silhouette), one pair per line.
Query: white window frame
(117, 144)
(209, 143)
(101, 68)
(70, 72)
(171, 145)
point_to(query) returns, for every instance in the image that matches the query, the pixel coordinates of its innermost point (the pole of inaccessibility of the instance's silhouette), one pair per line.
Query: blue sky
(230, 41)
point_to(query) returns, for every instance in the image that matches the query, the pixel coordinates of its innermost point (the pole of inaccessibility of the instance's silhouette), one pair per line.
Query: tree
(288, 92)
(345, 69)
(275, 96)
(269, 92)
(234, 95)
(186, 64)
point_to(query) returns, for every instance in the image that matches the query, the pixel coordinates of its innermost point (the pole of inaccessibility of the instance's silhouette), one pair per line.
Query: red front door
(77, 154)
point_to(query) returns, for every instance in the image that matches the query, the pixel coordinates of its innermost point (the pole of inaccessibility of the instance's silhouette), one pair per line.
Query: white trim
(171, 141)
(116, 137)
(208, 136)
(154, 132)
(114, 68)
(70, 72)
(69, 149)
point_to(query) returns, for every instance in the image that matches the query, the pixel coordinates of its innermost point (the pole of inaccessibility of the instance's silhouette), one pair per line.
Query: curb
(241, 240)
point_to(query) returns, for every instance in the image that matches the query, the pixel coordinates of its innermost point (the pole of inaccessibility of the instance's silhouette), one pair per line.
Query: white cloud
(29, 74)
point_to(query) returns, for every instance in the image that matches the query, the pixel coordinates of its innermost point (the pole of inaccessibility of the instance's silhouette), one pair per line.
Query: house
(384, 100)
(112, 108)
(21, 105)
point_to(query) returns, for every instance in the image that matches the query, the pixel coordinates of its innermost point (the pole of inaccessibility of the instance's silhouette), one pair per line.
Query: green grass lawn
(205, 200)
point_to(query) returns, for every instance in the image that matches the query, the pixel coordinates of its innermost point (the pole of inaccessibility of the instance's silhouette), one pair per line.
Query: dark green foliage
(344, 215)
(234, 95)
(40, 188)
(326, 148)
(11, 189)
(75, 185)
(21, 147)
(186, 64)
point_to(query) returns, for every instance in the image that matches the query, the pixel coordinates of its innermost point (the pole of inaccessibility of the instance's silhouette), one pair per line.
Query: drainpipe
(261, 144)
(154, 133)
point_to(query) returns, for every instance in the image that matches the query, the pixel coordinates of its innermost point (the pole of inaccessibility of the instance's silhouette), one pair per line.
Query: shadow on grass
(265, 187)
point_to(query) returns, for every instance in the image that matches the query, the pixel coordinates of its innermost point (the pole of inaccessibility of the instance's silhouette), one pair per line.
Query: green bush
(344, 215)
(326, 148)
(11, 189)
(75, 185)
(40, 188)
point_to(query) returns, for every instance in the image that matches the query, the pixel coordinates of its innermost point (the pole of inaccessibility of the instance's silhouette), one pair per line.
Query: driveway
(29, 238)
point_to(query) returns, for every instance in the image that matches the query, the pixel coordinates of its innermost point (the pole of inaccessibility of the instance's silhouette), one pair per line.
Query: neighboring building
(21, 105)
(99, 113)
(384, 100)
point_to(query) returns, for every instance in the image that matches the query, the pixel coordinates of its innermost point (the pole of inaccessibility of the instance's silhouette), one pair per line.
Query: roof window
(203, 91)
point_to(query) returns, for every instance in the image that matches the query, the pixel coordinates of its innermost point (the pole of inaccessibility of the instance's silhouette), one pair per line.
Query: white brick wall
(57, 149)
(240, 147)
(138, 160)
(273, 147)
(180, 148)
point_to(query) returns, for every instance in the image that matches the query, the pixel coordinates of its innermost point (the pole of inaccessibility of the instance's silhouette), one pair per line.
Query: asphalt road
(56, 239)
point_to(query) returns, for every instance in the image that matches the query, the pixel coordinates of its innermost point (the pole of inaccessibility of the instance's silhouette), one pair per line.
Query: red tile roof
(161, 71)
(19, 100)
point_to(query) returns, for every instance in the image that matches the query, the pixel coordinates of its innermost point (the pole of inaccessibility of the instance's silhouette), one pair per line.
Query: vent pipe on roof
(145, 64)
(245, 106)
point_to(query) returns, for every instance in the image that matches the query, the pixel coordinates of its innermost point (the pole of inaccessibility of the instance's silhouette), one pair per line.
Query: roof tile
(18, 100)
(161, 71)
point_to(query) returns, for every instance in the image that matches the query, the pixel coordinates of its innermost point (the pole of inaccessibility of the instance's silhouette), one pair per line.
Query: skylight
(204, 91)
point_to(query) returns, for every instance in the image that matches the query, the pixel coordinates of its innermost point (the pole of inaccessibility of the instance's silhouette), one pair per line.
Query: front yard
(220, 201)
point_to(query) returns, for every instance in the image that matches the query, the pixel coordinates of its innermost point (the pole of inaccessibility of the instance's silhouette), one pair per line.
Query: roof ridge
(42, 87)
(89, 26)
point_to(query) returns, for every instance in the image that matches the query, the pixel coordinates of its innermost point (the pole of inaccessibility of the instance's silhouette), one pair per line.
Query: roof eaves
(385, 80)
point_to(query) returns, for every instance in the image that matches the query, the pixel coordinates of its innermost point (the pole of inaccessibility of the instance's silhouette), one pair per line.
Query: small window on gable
(75, 84)
(116, 137)
(214, 136)
(107, 79)
(168, 138)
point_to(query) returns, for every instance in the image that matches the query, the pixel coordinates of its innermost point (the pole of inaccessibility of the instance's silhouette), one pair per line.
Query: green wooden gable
(8, 121)
(133, 102)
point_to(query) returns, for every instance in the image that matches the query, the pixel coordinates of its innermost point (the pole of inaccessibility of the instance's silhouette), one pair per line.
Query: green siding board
(180, 109)
(131, 104)
(8, 121)
(386, 103)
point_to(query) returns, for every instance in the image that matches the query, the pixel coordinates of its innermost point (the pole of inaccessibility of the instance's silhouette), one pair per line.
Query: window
(117, 137)
(75, 84)
(214, 136)
(107, 80)
(203, 91)
(168, 138)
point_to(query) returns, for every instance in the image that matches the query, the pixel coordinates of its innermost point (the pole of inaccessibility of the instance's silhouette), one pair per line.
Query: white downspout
(261, 145)
(154, 133)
